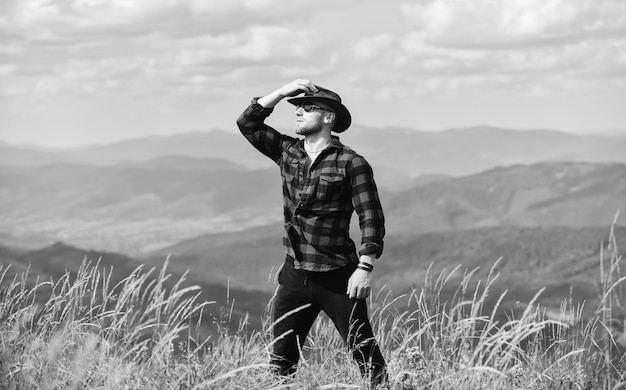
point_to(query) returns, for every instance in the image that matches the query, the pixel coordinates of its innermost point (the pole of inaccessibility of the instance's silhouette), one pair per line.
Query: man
(324, 182)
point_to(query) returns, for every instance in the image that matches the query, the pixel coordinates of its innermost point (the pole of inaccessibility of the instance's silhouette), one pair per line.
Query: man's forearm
(270, 100)
(263, 137)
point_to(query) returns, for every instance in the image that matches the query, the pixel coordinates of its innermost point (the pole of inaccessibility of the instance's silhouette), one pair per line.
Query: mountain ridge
(542, 194)
(133, 209)
(450, 152)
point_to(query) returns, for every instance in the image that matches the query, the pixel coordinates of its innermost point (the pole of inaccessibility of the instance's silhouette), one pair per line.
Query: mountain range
(140, 207)
(542, 201)
(393, 151)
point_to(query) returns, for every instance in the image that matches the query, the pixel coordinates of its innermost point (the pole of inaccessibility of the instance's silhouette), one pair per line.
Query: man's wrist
(367, 259)
(365, 266)
(366, 263)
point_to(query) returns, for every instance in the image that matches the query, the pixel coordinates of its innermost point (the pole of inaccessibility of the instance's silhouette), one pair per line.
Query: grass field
(141, 334)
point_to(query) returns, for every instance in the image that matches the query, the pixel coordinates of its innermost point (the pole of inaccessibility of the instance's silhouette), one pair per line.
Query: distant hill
(248, 259)
(181, 163)
(466, 151)
(28, 156)
(214, 144)
(396, 153)
(539, 195)
(134, 207)
(543, 256)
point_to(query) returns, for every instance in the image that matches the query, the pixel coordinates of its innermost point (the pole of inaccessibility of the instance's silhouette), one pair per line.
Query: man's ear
(329, 118)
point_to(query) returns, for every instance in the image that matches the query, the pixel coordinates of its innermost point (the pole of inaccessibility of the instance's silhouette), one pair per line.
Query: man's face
(310, 117)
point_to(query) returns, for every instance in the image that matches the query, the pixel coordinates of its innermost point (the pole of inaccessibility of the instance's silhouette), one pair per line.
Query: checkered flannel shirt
(318, 204)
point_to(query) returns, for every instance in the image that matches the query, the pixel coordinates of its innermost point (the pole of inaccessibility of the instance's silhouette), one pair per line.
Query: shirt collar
(335, 143)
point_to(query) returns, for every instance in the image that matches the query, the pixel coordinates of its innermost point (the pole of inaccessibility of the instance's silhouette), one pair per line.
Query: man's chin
(305, 131)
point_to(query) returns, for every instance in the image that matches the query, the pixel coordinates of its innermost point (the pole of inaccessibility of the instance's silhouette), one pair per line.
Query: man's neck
(317, 142)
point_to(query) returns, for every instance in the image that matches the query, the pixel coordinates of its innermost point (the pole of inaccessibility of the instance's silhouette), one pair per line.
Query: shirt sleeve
(366, 203)
(263, 137)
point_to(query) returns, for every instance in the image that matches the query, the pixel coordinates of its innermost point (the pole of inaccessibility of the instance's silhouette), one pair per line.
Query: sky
(76, 72)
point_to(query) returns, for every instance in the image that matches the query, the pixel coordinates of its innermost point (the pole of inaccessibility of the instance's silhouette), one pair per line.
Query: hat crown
(323, 93)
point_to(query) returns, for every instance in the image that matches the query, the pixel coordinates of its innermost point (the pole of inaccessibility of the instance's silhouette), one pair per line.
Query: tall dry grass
(140, 333)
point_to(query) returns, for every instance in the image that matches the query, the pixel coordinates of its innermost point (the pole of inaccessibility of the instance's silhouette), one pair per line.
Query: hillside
(564, 260)
(539, 195)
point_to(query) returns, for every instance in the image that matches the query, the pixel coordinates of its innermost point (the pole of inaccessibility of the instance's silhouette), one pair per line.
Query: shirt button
(301, 204)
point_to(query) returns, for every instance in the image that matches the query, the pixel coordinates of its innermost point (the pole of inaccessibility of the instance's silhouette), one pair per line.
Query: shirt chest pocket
(289, 171)
(330, 186)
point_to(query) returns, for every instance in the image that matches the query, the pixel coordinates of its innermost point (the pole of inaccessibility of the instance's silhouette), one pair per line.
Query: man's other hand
(359, 284)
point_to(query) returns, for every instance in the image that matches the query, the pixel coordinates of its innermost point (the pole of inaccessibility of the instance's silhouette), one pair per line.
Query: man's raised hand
(296, 87)
(293, 88)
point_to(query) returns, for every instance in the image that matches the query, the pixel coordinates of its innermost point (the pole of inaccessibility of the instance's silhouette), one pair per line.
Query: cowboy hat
(332, 100)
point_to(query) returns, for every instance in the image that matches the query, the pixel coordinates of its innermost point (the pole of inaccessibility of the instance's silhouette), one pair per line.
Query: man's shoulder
(346, 149)
(291, 145)
(348, 154)
(291, 141)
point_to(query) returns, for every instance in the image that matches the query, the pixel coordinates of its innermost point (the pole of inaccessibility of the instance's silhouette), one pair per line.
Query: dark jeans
(321, 291)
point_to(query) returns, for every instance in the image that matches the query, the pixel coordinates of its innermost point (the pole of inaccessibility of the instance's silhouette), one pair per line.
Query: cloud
(528, 47)
(508, 23)
(176, 54)
(220, 7)
(257, 44)
(373, 47)
(76, 20)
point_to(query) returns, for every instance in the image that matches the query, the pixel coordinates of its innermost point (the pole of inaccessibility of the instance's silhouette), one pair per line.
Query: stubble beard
(308, 130)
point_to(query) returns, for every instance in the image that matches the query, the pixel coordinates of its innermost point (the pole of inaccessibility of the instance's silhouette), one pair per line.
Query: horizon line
(607, 133)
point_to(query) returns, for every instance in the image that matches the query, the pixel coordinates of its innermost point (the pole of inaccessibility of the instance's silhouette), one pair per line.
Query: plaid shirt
(318, 204)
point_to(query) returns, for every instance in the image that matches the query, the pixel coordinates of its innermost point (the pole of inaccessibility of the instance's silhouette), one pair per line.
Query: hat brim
(343, 117)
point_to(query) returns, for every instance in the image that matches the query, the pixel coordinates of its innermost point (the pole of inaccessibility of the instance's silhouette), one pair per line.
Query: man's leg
(292, 317)
(361, 341)
(351, 319)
